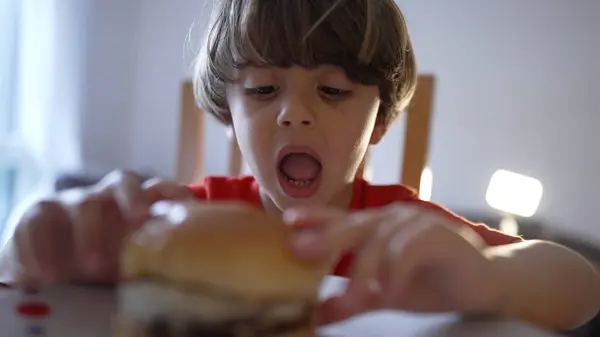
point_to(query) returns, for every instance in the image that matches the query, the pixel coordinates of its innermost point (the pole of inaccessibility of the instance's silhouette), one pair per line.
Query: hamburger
(215, 270)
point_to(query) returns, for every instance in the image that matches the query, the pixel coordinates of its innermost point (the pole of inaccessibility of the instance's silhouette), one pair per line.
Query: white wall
(524, 68)
(109, 80)
(528, 69)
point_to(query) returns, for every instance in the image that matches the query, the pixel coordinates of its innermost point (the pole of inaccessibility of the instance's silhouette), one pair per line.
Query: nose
(295, 113)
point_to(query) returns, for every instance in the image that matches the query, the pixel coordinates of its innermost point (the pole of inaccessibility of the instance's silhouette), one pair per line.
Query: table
(394, 323)
(86, 312)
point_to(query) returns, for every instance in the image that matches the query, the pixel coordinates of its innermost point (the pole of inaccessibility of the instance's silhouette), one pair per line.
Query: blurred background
(87, 86)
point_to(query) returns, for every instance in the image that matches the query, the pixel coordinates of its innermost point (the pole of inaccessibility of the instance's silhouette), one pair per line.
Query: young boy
(307, 86)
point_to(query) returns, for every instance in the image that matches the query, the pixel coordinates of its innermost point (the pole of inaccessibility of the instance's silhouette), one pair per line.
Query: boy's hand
(77, 236)
(406, 258)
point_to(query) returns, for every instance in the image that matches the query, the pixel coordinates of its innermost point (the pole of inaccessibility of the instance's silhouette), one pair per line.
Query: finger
(308, 244)
(328, 312)
(158, 190)
(351, 232)
(114, 234)
(133, 203)
(310, 217)
(343, 306)
(89, 234)
(371, 262)
(369, 276)
(407, 253)
(343, 232)
(50, 238)
(335, 239)
(311, 238)
(26, 270)
(39, 243)
(370, 266)
(336, 309)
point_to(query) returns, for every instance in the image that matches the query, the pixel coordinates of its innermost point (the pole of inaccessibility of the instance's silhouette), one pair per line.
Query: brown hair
(367, 38)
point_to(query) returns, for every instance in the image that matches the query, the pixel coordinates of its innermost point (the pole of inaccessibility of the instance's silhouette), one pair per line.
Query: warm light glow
(229, 133)
(368, 171)
(426, 184)
(509, 225)
(514, 193)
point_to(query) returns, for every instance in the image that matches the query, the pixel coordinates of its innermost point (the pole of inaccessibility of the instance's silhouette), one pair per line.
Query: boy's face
(303, 132)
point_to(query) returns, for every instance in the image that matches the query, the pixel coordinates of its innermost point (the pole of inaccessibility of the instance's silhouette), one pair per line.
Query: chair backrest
(414, 157)
(190, 163)
(418, 132)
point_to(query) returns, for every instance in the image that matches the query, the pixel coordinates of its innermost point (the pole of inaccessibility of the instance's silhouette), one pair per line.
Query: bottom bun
(125, 328)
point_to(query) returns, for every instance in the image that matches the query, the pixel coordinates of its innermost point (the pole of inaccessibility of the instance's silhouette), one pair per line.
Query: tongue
(300, 167)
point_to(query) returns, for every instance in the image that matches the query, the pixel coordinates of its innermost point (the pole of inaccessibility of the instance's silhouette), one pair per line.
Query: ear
(378, 132)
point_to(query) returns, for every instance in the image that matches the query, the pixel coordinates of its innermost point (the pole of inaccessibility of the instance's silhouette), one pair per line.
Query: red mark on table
(33, 309)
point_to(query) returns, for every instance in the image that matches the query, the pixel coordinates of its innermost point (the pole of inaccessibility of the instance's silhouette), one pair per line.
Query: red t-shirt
(365, 196)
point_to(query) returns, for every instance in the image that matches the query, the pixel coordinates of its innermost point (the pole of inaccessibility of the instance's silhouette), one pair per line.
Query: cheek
(253, 137)
(354, 137)
(349, 143)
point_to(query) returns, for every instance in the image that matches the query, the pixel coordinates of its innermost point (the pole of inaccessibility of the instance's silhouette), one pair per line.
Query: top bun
(226, 247)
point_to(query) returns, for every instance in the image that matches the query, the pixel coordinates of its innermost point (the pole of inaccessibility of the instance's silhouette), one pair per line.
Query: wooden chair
(417, 134)
(416, 137)
(190, 163)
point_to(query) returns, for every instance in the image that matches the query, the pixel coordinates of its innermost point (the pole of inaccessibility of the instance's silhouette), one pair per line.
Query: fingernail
(305, 239)
(374, 287)
(308, 244)
(160, 208)
(291, 216)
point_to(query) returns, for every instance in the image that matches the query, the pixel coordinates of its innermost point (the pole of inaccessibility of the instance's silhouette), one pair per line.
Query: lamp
(513, 194)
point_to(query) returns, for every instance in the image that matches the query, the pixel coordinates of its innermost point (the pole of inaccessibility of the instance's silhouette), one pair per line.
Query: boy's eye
(261, 91)
(334, 92)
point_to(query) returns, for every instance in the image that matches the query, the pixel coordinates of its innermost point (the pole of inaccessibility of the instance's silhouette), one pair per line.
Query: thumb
(312, 228)
(336, 309)
(159, 190)
(330, 311)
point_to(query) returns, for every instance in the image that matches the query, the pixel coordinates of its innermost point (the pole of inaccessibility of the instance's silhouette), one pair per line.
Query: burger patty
(244, 328)
(165, 310)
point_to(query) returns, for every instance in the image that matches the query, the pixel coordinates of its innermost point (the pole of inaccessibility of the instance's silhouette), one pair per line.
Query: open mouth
(300, 169)
(299, 173)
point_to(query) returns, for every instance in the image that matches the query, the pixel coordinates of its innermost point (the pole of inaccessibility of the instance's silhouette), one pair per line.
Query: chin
(288, 202)
(284, 202)
(215, 270)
